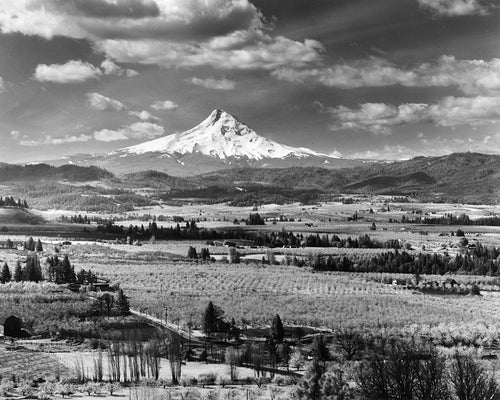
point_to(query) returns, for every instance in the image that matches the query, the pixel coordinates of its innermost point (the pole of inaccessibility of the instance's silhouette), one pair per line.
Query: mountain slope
(221, 136)
(458, 177)
(219, 142)
(37, 172)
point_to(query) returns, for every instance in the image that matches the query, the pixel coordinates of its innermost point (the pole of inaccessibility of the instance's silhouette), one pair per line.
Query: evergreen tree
(320, 350)
(29, 244)
(277, 329)
(68, 271)
(18, 273)
(192, 253)
(5, 275)
(39, 246)
(211, 319)
(32, 271)
(122, 303)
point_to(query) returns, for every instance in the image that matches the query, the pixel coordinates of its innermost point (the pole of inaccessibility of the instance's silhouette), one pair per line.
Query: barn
(11, 326)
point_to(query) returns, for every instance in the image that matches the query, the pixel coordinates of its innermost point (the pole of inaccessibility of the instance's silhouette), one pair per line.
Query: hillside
(36, 172)
(458, 177)
(19, 216)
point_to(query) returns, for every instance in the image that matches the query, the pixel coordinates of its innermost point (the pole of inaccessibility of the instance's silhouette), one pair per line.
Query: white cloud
(436, 146)
(25, 140)
(167, 105)
(250, 51)
(2, 85)
(138, 130)
(211, 83)
(71, 72)
(111, 68)
(472, 111)
(372, 72)
(470, 76)
(96, 19)
(99, 102)
(225, 34)
(144, 116)
(388, 152)
(380, 118)
(451, 8)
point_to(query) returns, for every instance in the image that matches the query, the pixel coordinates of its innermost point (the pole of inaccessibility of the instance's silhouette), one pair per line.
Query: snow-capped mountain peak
(220, 136)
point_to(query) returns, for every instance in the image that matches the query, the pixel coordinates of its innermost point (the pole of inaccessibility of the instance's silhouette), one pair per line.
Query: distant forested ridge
(32, 172)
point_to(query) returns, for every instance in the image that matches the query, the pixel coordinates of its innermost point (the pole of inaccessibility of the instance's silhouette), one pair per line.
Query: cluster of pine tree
(452, 219)
(31, 271)
(271, 239)
(9, 201)
(193, 254)
(480, 261)
(86, 277)
(31, 245)
(60, 271)
(76, 219)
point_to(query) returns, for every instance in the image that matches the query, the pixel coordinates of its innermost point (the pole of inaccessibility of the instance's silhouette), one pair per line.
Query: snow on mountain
(221, 136)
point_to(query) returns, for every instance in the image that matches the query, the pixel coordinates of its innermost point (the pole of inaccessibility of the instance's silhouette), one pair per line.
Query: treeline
(451, 219)
(283, 238)
(9, 201)
(480, 261)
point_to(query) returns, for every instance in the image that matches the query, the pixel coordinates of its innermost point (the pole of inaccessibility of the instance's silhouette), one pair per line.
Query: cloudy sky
(386, 79)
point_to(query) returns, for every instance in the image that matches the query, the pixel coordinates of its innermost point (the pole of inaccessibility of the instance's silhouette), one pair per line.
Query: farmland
(250, 284)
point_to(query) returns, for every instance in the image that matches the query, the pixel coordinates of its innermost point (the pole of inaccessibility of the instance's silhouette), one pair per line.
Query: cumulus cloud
(378, 118)
(372, 72)
(473, 111)
(138, 130)
(99, 19)
(381, 118)
(167, 105)
(25, 140)
(144, 116)
(99, 102)
(109, 67)
(249, 51)
(451, 8)
(71, 72)
(470, 76)
(225, 34)
(211, 83)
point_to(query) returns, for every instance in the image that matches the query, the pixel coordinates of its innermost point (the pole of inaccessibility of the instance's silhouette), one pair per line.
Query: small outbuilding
(11, 326)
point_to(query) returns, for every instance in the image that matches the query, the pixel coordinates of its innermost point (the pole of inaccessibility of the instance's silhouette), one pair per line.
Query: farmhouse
(10, 325)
